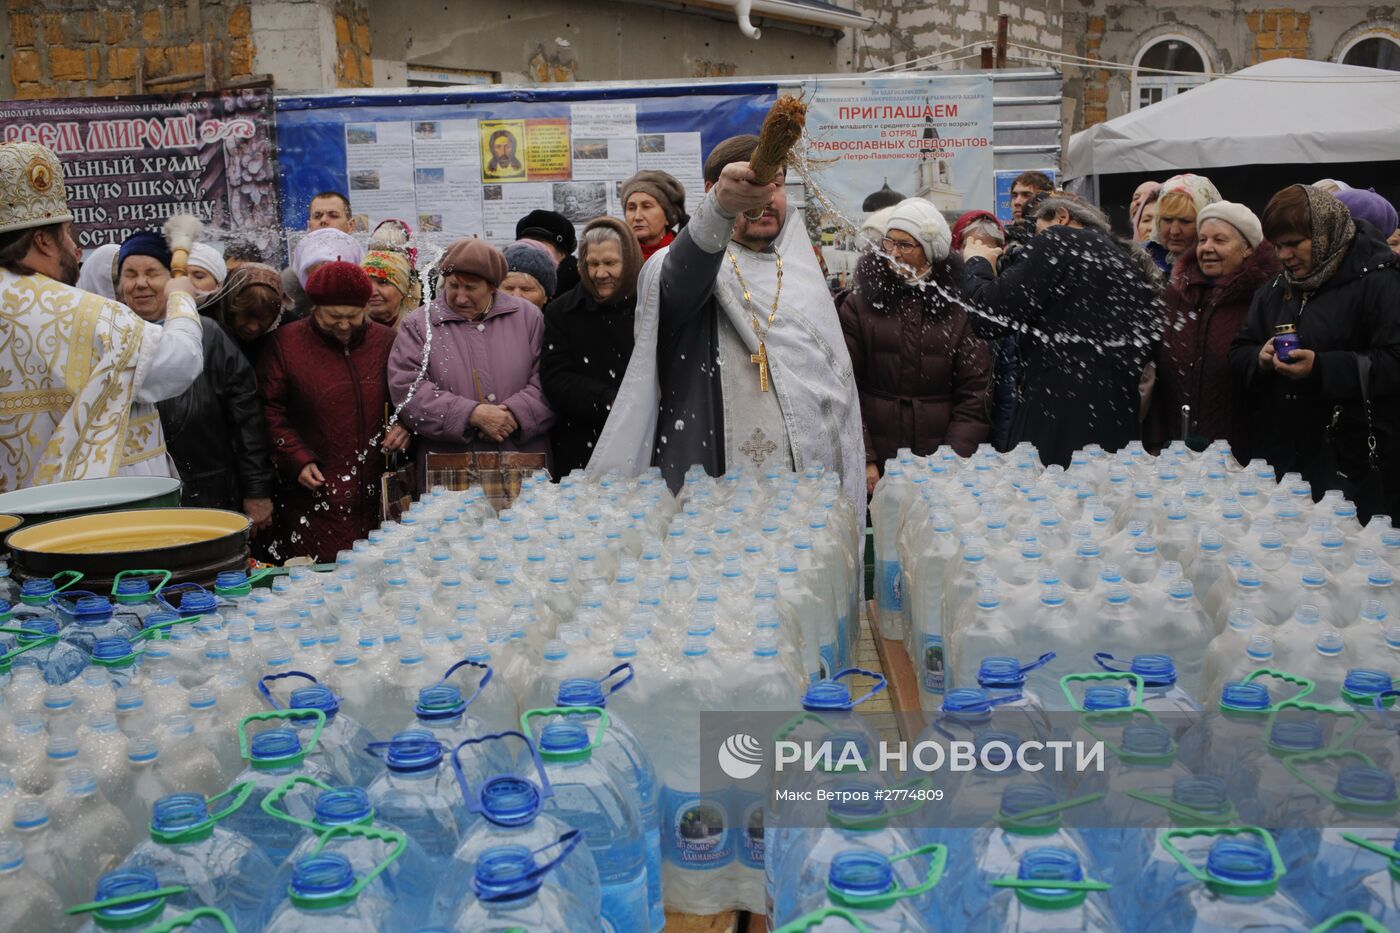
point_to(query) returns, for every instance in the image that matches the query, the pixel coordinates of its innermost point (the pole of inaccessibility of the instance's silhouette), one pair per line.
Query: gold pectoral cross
(760, 359)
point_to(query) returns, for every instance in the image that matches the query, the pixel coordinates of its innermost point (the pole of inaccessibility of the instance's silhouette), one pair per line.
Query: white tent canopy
(1286, 111)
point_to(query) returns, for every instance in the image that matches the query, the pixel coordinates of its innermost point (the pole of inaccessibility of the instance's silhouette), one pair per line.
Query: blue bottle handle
(60, 596)
(480, 685)
(567, 843)
(268, 678)
(473, 798)
(1041, 661)
(624, 666)
(880, 682)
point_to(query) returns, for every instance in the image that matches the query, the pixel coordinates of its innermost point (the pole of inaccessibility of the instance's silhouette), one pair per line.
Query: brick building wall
(353, 63)
(83, 48)
(908, 29)
(1230, 35)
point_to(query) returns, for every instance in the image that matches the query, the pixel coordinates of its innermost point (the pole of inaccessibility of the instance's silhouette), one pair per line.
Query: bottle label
(625, 905)
(932, 676)
(890, 593)
(697, 834)
(750, 808)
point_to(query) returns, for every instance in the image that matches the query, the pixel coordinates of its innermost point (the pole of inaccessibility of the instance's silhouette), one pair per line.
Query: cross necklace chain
(759, 359)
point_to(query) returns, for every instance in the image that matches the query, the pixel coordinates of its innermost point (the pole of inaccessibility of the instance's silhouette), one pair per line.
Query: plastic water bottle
(271, 757)
(513, 811)
(1377, 895)
(996, 851)
(1003, 680)
(589, 799)
(624, 755)
(1160, 693)
(512, 891)
(407, 883)
(322, 897)
(1034, 903)
(95, 833)
(891, 496)
(45, 848)
(187, 761)
(418, 795)
(1236, 889)
(188, 846)
(867, 878)
(30, 903)
(1331, 863)
(137, 915)
(1146, 890)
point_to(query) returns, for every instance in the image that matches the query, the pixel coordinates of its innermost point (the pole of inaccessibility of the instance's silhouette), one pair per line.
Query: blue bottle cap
(1105, 698)
(581, 691)
(316, 696)
(125, 882)
(860, 874)
(1242, 695)
(1000, 672)
(197, 602)
(1365, 785)
(509, 800)
(1240, 859)
(275, 744)
(178, 811)
(966, 700)
(343, 806)
(563, 737)
(322, 876)
(827, 696)
(505, 873)
(1296, 735)
(1156, 670)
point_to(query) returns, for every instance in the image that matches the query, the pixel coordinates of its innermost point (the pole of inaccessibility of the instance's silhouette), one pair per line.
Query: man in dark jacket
(588, 341)
(1340, 289)
(1088, 316)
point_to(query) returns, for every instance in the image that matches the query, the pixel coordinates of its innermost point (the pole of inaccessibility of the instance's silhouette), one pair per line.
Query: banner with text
(876, 140)
(131, 162)
(474, 161)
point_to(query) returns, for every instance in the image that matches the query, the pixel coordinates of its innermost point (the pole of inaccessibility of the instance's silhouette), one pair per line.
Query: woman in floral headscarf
(1182, 197)
(248, 307)
(1315, 411)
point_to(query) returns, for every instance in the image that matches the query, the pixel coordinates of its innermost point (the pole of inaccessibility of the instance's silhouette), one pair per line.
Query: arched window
(1167, 53)
(1373, 50)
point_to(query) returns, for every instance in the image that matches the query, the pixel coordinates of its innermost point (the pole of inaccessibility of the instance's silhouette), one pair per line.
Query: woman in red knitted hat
(324, 389)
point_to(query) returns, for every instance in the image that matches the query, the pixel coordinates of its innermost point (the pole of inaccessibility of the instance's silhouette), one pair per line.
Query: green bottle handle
(578, 754)
(189, 917)
(307, 749)
(883, 901)
(397, 839)
(1168, 838)
(123, 900)
(1134, 679)
(165, 576)
(1368, 923)
(1293, 762)
(269, 803)
(818, 917)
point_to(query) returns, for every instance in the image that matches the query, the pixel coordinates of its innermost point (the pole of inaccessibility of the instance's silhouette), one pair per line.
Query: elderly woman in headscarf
(214, 430)
(207, 270)
(1211, 288)
(391, 276)
(479, 388)
(322, 246)
(324, 385)
(654, 204)
(1143, 211)
(588, 340)
(532, 272)
(922, 374)
(248, 307)
(1181, 198)
(1315, 408)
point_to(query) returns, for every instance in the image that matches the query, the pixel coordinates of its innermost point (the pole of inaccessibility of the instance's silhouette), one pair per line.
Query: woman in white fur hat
(923, 375)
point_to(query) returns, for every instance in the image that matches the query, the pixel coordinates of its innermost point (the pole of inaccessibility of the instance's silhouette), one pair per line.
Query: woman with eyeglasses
(923, 375)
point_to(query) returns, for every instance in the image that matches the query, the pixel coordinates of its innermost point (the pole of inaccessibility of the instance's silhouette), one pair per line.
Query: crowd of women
(1052, 329)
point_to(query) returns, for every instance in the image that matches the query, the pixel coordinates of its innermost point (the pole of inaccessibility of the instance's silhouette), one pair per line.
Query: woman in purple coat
(480, 388)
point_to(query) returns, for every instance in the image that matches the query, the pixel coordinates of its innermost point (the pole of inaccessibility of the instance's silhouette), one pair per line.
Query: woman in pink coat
(480, 389)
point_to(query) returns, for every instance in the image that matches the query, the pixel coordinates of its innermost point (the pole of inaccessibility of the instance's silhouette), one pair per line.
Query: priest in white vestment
(739, 357)
(79, 374)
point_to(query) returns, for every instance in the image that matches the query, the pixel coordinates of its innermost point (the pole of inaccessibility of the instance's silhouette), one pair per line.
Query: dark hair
(243, 251)
(502, 133)
(733, 149)
(1037, 180)
(1288, 213)
(331, 194)
(1081, 212)
(14, 246)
